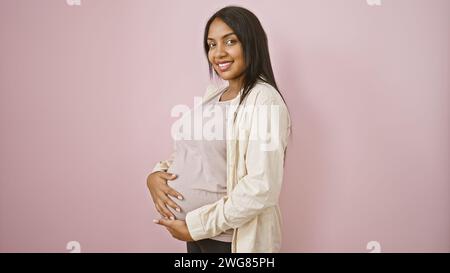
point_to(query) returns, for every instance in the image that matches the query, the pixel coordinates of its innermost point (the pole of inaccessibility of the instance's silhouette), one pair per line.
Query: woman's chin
(226, 76)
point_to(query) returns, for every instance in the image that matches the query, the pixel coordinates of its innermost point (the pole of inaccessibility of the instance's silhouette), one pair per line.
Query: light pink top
(200, 165)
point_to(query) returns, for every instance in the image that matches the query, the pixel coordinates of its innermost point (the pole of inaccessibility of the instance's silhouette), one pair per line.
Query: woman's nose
(220, 51)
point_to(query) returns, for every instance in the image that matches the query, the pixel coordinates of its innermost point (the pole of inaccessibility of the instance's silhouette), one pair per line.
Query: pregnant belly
(193, 198)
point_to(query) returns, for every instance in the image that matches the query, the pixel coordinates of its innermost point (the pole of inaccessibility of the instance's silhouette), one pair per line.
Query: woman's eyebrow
(231, 33)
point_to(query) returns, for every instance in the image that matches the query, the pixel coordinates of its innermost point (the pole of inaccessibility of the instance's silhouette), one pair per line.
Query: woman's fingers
(167, 176)
(160, 194)
(167, 189)
(174, 193)
(165, 211)
(158, 208)
(168, 201)
(172, 204)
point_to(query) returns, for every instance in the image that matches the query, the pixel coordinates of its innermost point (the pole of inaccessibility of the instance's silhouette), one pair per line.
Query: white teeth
(224, 64)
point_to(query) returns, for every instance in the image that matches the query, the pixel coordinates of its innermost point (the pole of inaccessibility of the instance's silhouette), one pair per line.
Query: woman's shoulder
(213, 89)
(263, 93)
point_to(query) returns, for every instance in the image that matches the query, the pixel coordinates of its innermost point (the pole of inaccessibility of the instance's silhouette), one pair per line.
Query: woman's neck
(235, 85)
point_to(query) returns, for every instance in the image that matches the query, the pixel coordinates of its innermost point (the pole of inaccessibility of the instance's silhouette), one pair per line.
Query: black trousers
(208, 246)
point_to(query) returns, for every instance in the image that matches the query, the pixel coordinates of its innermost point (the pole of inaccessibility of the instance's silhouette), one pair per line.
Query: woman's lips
(224, 66)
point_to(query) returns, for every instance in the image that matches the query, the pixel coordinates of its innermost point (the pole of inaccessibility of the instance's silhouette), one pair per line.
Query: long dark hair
(254, 43)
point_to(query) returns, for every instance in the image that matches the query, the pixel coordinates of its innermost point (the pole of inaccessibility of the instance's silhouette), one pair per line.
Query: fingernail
(180, 197)
(172, 218)
(155, 221)
(173, 175)
(178, 209)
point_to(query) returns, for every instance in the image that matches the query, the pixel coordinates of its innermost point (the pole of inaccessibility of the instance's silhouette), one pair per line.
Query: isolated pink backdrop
(86, 93)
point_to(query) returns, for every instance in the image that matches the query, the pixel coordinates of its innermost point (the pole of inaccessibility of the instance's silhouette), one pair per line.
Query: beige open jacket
(254, 178)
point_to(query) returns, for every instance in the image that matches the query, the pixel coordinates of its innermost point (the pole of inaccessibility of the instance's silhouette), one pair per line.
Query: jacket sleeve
(257, 190)
(164, 165)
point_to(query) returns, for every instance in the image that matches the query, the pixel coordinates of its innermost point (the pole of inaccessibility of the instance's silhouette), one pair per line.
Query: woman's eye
(230, 42)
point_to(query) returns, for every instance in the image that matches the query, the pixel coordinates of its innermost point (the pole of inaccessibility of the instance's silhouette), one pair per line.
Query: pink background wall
(86, 93)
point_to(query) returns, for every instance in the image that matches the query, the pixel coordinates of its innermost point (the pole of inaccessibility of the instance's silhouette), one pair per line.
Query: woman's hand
(177, 228)
(160, 191)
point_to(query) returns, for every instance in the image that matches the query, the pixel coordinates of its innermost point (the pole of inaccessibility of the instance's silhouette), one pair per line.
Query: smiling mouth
(224, 66)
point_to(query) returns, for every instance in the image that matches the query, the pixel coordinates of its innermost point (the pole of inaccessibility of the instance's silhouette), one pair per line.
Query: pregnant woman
(228, 183)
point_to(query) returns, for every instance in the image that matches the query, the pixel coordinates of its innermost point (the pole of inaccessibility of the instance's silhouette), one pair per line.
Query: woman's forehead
(218, 29)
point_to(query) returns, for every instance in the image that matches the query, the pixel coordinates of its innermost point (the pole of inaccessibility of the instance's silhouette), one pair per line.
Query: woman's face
(225, 53)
